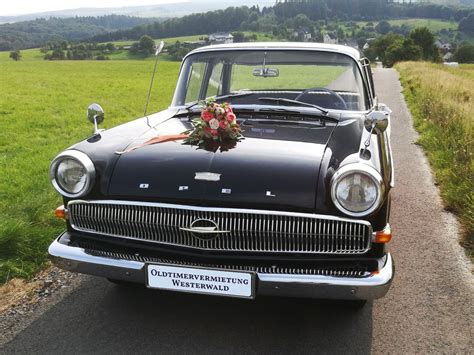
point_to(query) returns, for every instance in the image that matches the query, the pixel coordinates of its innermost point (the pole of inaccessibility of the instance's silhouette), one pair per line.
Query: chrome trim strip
(315, 286)
(219, 209)
(198, 230)
(250, 230)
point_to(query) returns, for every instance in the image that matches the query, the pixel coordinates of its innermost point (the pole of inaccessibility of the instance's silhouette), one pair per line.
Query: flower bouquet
(217, 124)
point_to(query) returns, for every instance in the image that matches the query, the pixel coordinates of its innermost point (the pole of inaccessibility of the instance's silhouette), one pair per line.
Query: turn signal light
(60, 212)
(383, 236)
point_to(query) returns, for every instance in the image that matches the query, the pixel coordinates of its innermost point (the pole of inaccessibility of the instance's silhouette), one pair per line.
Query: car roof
(311, 46)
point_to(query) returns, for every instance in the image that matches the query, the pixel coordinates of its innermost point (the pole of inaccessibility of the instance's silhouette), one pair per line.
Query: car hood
(275, 165)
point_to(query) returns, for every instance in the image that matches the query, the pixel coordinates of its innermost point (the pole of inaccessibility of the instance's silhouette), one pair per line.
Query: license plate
(199, 280)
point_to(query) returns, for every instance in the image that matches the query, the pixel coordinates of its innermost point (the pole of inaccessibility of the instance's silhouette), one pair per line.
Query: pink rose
(223, 124)
(207, 116)
(214, 132)
(228, 109)
(231, 117)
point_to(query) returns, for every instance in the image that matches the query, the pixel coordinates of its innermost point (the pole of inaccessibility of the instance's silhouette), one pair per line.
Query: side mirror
(376, 121)
(95, 114)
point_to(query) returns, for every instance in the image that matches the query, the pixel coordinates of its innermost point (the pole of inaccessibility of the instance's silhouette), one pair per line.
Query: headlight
(72, 173)
(357, 189)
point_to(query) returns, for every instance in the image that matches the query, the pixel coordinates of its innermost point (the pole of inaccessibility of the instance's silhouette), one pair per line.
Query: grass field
(441, 100)
(169, 40)
(42, 112)
(34, 54)
(432, 24)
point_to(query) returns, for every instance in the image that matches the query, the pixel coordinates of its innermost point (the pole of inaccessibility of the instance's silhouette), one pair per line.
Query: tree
(381, 44)
(465, 54)
(402, 50)
(111, 47)
(58, 54)
(301, 20)
(238, 37)
(146, 44)
(423, 37)
(383, 27)
(15, 55)
(467, 24)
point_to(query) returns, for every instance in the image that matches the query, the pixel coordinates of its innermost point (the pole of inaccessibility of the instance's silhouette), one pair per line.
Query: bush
(15, 55)
(402, 50)
(465, 54)
(58, 54)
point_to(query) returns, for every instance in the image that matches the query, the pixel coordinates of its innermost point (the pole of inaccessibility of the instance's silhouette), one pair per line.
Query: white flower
(220, 111)
(214, 124)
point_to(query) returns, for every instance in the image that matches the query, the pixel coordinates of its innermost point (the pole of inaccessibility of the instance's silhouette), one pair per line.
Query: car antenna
(157, 52)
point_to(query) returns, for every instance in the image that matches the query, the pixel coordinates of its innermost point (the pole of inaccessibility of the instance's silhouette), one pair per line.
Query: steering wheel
(340, 100)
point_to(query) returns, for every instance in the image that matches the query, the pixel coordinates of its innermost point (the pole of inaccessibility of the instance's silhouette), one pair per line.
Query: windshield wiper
(228, 96)
(293, 102)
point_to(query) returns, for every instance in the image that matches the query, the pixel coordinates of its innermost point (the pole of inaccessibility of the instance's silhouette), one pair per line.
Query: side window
(215, 81)
(196, 74)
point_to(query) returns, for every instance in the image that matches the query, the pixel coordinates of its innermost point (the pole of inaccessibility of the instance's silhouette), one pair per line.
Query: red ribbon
(157, 139)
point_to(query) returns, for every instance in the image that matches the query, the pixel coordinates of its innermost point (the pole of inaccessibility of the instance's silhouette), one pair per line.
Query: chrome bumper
(376, 285)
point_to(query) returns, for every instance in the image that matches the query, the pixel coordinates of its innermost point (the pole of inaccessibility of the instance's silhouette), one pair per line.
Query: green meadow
(433, 25)
(42, 112)
(441, 102)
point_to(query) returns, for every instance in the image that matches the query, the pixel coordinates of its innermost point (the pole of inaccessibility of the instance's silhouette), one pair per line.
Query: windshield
(329, 80)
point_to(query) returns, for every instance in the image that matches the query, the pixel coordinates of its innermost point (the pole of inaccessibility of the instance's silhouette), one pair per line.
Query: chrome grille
(335, 271)
(253, 231)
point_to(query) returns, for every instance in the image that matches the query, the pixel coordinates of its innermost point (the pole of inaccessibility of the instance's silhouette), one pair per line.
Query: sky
(20, 7)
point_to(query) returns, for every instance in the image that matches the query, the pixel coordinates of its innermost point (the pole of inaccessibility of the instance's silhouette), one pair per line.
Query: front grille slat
(250, 230)
(359, 271)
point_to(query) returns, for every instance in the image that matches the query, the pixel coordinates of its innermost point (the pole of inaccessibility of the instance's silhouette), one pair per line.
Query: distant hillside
(35, 33)
(275, 19)
(183, 8)
(441, 2)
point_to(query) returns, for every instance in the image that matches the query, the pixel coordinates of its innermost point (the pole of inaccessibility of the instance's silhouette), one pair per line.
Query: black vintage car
(299, 207)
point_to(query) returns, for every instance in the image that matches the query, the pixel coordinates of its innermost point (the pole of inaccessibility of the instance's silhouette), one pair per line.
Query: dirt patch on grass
(16, 291)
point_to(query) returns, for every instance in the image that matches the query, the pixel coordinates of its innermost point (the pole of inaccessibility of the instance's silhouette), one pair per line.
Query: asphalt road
(429, 308)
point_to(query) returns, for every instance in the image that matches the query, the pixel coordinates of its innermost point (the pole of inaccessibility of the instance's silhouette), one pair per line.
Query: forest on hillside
(29, 34)
(243, 18)
(277, 19)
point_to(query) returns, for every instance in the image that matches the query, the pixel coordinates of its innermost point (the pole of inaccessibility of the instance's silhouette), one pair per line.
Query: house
(447, 57)
(443, 47)
(221, 38)
(302, 34)
(330, 38)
